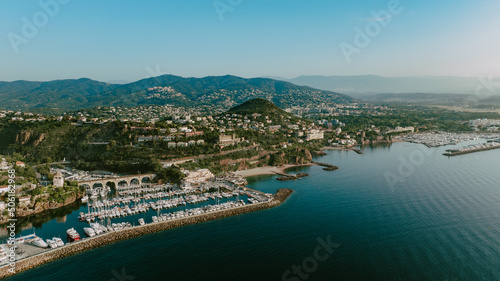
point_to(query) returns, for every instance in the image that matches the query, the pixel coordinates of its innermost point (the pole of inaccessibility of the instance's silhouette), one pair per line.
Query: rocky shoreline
(113, 237)
(22, 213)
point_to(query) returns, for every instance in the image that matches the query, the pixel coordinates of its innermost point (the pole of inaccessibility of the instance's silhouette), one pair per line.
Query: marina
(445, 138)
(106, 210)
(317, 208)
(29, 257)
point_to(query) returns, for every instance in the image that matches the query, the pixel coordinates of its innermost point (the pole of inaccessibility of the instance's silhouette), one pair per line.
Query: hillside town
(194, 147)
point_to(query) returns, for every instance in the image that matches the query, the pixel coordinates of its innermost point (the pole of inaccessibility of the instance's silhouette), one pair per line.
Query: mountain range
(216, 91)
(366, 85)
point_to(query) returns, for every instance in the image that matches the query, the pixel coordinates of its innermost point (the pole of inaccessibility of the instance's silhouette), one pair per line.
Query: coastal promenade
(112, 237)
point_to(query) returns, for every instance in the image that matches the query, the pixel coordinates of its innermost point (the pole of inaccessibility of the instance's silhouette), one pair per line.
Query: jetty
(287, 177)
(471, 150)
(327, 167)
(133, 232)
(358, 151)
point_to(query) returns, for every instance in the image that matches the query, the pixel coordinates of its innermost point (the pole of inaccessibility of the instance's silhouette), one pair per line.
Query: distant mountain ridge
(221, 91)
(59, 94)
(364, 85)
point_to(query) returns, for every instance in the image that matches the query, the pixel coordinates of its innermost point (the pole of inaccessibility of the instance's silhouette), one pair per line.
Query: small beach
(268, 170)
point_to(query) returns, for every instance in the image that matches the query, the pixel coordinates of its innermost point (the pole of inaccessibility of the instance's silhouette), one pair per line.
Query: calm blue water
(439, 221)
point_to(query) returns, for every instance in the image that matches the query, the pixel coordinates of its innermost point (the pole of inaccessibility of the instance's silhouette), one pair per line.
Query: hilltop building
(227, 140)
(4, 165)
(24, 201)
(58, 179)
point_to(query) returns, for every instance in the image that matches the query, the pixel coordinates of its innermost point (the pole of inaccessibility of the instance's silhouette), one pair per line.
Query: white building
(58, 179)
(484, 122)
(197, 176)
(315, 135)
(4, 188)
(4, 165)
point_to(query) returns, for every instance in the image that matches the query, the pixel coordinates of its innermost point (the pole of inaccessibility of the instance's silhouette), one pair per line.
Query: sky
(124, 40)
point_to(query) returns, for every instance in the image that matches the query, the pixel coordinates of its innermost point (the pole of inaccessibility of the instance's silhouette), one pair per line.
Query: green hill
(58, 94)
(259, 106)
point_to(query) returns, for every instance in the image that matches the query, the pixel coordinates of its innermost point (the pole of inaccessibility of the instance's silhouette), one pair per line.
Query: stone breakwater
(137, 231)
(461, 152)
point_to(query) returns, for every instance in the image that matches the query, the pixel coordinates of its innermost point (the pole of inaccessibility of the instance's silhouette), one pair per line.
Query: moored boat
(89, 231)
(3, 254)
(37, 241)
(72, 235)
(52, 243)
(58, 241)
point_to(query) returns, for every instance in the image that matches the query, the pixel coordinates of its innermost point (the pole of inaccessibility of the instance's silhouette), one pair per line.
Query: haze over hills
(364, 85)
(220, 91)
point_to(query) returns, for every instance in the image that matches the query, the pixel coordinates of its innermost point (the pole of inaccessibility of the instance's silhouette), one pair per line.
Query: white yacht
(52, 243)
(97, 228)
(89, 231)
(141, 221)
(58, 241)
(72, 235)
(3, 254)
(37, 241)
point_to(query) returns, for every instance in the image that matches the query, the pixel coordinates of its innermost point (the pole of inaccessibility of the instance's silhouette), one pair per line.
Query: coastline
(268, 170)
(112, 237)
(336, 148)
(28, 213)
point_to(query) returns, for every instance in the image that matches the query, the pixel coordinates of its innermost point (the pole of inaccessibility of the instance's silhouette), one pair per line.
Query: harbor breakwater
(112, 237)
(461, 152)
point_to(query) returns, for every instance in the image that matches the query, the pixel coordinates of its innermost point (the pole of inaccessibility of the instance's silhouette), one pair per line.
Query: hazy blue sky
(130, 40)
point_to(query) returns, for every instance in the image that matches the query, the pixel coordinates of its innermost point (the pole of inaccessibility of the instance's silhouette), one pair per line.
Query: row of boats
(95, 193)
(195, 211)
(34, 240)
(95, 229)
(102, 210)
(98, 229)
(55, 242)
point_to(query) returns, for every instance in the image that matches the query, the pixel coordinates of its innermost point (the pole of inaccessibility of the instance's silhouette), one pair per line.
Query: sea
(395, 212)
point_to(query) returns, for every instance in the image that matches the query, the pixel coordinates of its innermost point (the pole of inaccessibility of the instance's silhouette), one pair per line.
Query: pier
(327, 167)
(358, 151)
(461, 152)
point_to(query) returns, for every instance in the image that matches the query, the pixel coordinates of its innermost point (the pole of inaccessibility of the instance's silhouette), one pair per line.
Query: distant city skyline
(131, 40)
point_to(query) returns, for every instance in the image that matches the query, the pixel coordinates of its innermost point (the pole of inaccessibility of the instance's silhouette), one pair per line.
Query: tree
(172, 174)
